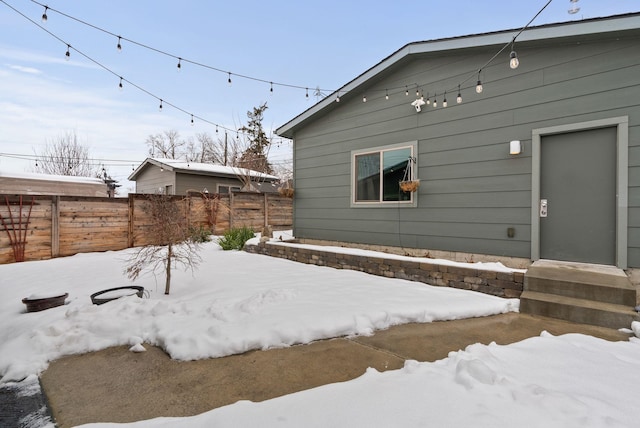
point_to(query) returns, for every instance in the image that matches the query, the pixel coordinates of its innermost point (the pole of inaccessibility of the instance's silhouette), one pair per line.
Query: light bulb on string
(119, 45)
(459, 97)
(428, 100)
(229, 79)
(36, 163)
(386, 94)
(306, 93)
(67, 54)
(417, 93)
(364, 98)
(44, 16)
(338, 97)
(179, 64)
(160, 107)
(271, 87)
(216, 129)
(406, 92)
(479, 84)
(435, 101)
(513, 59)
(444, 101)
(120, 86)
(191, 120)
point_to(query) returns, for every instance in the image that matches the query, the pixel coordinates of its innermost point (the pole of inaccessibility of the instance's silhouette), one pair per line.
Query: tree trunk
(168, 282)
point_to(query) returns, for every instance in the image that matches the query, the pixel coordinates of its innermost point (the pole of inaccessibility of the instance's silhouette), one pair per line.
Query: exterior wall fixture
(515, 147)
(418, 103)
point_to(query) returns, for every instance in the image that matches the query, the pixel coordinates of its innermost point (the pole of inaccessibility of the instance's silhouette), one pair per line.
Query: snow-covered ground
(237, 301)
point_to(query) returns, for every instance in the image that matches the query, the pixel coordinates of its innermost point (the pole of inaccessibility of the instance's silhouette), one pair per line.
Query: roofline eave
(544, 32)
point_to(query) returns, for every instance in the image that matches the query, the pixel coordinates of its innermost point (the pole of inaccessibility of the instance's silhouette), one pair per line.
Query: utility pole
(225, 148)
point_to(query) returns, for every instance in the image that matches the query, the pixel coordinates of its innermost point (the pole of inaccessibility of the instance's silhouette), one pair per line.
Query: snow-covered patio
(238, 301)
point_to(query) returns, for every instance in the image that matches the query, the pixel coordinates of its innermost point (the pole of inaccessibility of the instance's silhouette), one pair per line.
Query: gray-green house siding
(471, 190)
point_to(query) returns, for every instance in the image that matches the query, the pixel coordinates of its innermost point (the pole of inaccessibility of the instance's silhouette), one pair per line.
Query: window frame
(380, 203)
(230, 188)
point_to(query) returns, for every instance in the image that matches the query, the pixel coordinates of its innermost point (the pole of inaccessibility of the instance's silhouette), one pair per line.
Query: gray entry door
(578, 181)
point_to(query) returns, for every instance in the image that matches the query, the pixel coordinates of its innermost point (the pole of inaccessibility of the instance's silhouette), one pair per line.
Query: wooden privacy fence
(65, 225)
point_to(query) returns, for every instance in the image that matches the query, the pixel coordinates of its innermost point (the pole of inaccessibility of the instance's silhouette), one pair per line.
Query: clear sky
(301, 43)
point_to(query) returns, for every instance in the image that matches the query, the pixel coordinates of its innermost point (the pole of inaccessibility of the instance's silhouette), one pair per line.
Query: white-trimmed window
(377, 172)
(225, 189)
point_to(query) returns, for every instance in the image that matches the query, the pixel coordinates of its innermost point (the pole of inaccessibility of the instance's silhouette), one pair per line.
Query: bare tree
(66, 156)
(170, 238)
(166, 145)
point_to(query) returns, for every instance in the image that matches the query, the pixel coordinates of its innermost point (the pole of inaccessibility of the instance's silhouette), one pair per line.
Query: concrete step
(582, 281)
(578, 310)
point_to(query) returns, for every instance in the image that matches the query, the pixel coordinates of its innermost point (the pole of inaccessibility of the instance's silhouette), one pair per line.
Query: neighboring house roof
(183, 167)
(595, 27)
(49, 184)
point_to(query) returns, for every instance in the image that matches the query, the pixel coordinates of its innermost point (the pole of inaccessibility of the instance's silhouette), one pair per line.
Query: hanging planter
(408, 183)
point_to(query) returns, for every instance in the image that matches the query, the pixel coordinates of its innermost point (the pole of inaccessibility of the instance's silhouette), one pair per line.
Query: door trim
(622, 180)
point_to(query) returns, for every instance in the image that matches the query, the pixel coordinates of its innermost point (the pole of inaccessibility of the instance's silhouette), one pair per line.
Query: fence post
(230, 209)
(130, 225)
(266, 210)
(55, 226)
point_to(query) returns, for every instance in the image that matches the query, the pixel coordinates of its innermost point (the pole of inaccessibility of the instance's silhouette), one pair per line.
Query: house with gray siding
(519, 164)
(177, 177)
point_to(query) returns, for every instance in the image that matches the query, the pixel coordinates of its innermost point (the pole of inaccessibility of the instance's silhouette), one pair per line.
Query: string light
(216, 129)
(179, 64)
(46, 8)
(307, 92)
(459, 97)
(444, 101)
(191, 120)
(513, 58)
(386, 94)
(120, 86)
(160, 107)
(44, 19)
(417, 93)
(435, 101)
(119, 45)
(574, 7)
(67, 55)
(428, 100)
(406, 92)
(364, 98)
(514, 61)
(271, 88)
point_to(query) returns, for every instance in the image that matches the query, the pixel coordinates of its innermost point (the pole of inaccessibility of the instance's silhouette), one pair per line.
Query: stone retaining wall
(503, 284)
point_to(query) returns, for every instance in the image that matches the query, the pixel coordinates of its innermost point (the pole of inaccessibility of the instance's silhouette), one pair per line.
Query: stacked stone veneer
(503, 284)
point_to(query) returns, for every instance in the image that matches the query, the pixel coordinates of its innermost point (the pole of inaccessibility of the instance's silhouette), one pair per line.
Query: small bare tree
(65, 155)
(170, 241)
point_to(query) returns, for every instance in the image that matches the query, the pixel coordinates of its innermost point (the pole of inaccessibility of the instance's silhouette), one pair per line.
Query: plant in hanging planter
(410, 185)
